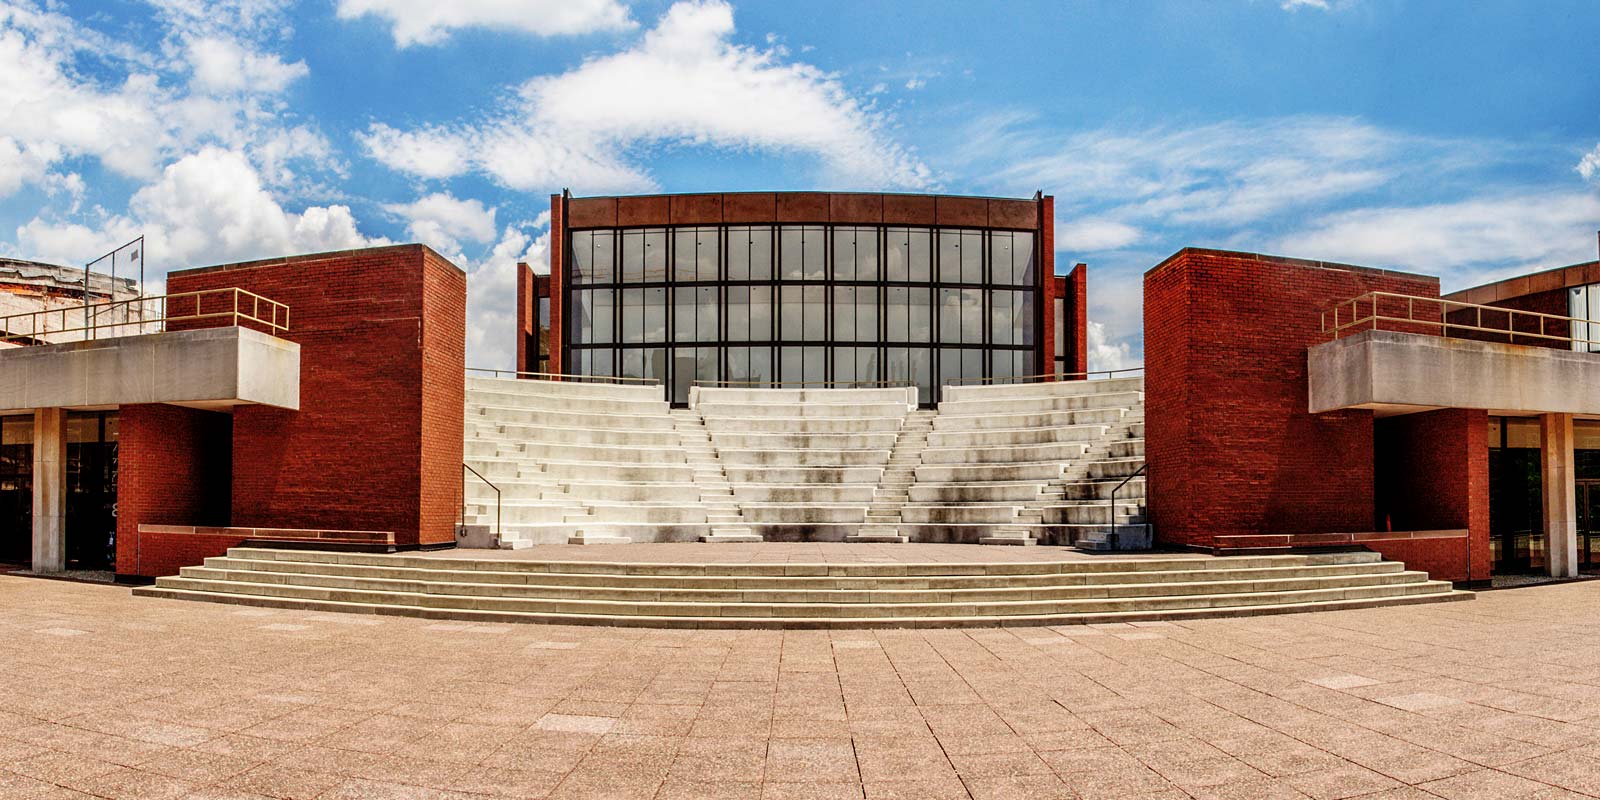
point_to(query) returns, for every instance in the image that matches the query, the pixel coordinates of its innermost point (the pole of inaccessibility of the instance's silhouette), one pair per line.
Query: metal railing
(781, 384)
(1115, 536)
(141, 315)
(1450, 318)
(566, 377)
(468, 468)
(1041, 378)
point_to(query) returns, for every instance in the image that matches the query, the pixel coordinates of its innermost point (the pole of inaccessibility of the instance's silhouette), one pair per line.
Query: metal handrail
(1376, 314)
(567, 377)
(491, 485)
(1116, 537)
(1040, 378)
(781, 384)
(93, 320)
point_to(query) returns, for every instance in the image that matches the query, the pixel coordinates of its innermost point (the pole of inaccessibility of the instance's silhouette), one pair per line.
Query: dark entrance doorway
(16, 489)
(1588, 497)
(92, 490)
(1516, 492)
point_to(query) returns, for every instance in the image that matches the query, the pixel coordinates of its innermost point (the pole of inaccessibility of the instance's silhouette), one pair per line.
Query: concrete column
(1558, 468)
(49, 490)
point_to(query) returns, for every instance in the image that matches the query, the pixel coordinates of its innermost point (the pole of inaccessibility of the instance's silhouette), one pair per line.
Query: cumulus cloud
(684, 83)
(1105, 354)
(1589, 166)
(224, 65)
(492, 292)
(442, 222)
(207, 207)
(208, 81)
(1466, 241)
(430, 21)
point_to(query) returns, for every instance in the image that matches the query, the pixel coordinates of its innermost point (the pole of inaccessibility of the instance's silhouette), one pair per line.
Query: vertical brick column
(1558, 471)
(558, 277)
(49, 490)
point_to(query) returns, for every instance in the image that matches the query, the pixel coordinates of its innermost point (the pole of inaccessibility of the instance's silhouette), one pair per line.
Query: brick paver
(108, 695)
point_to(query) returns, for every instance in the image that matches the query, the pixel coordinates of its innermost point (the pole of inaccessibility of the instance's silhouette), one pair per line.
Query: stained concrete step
(567, 419)
(1028, 405)
(633, 620)
(1115, 572)
(807, 425)
(465, 587)
(394, 596)
(638, 392)
(1132, 383)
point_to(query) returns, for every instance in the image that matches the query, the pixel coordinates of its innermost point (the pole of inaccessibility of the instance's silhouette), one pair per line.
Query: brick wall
(444, 396)
(1077, 308)
(381, 332)
(1230, 446)
(1432, 473)
(173, 468)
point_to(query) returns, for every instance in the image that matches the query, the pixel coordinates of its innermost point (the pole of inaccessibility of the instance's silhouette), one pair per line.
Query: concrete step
(1132, 383)
(637, 392)
(1034, 405)
(905, 396)
(487, 415)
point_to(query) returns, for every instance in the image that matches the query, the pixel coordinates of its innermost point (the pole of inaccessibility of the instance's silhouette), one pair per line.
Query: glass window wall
(802, 303)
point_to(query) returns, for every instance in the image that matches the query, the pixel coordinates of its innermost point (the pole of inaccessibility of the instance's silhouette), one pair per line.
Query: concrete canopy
(206, 368)
(1397, 373)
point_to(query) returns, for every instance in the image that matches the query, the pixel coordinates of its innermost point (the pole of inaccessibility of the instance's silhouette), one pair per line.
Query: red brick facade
(1231, 448)
(1432, 473)
(173, 468)
(377, 442)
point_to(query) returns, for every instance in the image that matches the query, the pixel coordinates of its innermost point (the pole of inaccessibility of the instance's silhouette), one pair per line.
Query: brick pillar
(1557, 466)
(49, 490)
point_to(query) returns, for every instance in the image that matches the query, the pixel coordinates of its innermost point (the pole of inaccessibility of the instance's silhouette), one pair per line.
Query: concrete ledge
(1297, 540)
(294, 534)
(1396, 373)
(205, 368)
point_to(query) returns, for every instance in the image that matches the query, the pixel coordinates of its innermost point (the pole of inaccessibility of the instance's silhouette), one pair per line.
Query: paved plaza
(108, 695)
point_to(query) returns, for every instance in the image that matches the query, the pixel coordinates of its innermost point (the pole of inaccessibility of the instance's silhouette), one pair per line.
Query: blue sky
(1461, 140)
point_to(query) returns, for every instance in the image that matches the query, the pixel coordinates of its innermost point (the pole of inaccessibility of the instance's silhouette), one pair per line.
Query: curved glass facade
(785, 305)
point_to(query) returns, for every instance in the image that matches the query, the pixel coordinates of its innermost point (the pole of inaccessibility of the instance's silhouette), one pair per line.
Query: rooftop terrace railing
(141, 315)
(1436, 316)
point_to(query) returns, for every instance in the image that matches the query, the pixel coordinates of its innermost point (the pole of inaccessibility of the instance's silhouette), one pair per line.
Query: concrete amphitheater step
(799, 595)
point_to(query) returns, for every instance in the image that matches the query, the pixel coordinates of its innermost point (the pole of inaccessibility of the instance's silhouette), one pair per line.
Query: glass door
(1588, 497)
(92, 490)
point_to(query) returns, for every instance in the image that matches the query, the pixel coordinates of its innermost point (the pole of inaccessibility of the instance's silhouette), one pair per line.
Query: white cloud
(1226, 173)
(441, 221)
(492, 292)
(1092, 235)
(430, 21)
(224, 65)
(684, 83)
(1293, 5)
(1105, 354)
(1465, 242)
(1589, 166)
(915, 83)
(208, 207)
(134, 109)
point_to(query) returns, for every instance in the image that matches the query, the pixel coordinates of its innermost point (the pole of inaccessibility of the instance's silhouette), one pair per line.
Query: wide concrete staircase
(583, 462)
(804, 464)
(1025, 463)
(802, 595)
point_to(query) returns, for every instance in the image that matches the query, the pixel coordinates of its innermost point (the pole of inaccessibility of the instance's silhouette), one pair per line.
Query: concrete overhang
(1399, 373)
(212, 368)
